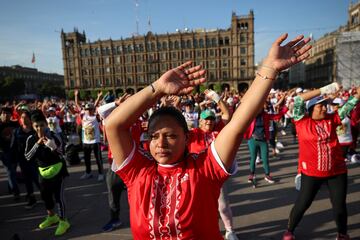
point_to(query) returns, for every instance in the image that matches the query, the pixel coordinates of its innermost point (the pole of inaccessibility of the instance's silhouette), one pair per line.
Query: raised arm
(76, 96)
(278, 59)
(98, 99)
(225, 113)
(177, 81)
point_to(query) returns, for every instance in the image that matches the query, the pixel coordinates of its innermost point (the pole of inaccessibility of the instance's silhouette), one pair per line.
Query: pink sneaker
(342, 237)
(288, 236)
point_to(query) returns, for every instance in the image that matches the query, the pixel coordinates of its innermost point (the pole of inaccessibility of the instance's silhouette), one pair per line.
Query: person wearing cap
(173, 194)
(200, 139)
(90, 135)
(191, 116)
(321, 160)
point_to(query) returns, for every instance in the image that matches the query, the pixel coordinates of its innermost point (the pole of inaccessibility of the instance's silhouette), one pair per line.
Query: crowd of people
(173, 150)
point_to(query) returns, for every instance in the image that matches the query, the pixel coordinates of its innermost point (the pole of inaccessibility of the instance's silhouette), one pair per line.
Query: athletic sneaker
(251, 178)
(230, 235)
(288, 236)
(279, 145)
(355, 158)
(62, 227)
(100, 178)
(112, 225)
(258, 160)
(49, 220)
(283, 132)
(86, 176)
(269, 179)
(342, 237)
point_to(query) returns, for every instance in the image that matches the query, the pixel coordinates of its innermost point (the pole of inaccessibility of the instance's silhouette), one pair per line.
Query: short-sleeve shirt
(320, 153)
(200, 140)
(90, 129)
(177, 201)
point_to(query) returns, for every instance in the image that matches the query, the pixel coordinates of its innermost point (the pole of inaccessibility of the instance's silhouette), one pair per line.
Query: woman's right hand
(180, 80)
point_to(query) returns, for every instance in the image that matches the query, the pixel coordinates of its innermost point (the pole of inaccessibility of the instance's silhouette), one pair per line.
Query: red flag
(33, 58)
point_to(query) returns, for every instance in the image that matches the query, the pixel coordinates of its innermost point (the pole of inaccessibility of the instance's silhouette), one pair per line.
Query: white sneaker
(279, 145)
(231, 236)
(283, 132)
(258, 160)
(277, 150)
(86, 176)
(100, 178)
(355, 158)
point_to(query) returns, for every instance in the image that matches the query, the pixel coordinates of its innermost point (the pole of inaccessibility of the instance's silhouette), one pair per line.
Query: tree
(10, 87)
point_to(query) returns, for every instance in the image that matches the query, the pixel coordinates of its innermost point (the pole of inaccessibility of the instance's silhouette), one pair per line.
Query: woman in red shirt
(174, 194)
(321, 160)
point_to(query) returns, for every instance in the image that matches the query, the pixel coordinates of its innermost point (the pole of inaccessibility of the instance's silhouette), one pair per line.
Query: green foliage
(217, 88)
(49, 89)
(202, 88)
(94, 94)
(70, 95)
(10, 87)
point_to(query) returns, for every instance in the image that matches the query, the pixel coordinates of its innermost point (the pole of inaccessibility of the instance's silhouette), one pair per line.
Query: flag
(33, 58)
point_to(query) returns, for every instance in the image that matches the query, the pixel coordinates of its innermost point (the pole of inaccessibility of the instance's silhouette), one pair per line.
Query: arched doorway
(130, 90)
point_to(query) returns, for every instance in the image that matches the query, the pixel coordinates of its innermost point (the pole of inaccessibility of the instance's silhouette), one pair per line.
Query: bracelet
(264, 77)
(268, 67)
(152, 88)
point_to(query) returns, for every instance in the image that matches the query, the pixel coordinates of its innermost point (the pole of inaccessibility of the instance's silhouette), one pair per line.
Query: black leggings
(50, 189)
(337, 186)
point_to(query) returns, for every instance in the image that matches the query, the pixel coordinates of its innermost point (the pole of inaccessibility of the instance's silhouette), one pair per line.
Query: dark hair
(37, 116)
(27, 113)
(171, 112)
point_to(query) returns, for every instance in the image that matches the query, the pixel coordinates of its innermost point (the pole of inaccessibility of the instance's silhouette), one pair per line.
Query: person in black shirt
(6, 128)
(28, 168)
(45, 148)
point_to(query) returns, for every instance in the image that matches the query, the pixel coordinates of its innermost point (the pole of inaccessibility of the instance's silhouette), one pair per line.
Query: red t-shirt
(173, 201)
(200, 140)
(320, 153)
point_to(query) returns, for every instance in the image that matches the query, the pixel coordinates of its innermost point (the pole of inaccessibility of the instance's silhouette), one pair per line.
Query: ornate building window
(188, 44)
(201, 43)
(213, 42)
(164, 45)
(195, 43)
(243, 50)
(242, 62)
(171, 45)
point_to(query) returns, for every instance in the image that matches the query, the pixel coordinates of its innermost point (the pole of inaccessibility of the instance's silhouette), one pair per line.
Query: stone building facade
(321, 67)
(128, 65)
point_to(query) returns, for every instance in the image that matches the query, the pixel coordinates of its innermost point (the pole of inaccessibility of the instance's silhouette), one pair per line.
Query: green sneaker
(62, 227)
(49, 220)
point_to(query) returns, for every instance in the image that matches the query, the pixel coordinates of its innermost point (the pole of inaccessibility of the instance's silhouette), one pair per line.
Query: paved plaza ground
(259, 213)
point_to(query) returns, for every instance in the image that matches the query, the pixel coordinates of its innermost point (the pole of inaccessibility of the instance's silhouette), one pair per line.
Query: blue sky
(34, 26)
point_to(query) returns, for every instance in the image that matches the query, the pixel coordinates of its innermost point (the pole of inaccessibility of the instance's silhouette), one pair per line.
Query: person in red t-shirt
(200, 139)
(321, 159)
(173, 194)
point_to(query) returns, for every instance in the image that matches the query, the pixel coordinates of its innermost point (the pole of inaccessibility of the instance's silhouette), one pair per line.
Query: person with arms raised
(174, 194)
